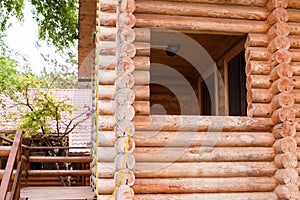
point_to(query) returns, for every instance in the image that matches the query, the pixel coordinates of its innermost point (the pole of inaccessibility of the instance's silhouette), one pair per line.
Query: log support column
(282, 104)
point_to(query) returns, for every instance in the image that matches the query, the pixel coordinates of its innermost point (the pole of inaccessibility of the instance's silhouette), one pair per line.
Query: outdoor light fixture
(172, 49)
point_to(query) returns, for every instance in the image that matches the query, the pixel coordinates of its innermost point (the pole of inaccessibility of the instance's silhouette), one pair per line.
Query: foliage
(38, 109)
(57, 19)
(9, 78)
(61, 75)
(8, 9)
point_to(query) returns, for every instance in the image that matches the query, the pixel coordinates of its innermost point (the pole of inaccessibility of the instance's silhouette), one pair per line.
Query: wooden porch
(20, 181)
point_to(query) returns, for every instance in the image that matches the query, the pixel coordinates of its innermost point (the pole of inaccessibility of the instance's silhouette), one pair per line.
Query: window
(237, 86)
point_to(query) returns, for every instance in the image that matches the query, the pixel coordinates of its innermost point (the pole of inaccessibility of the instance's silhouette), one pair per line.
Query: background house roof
(81, 135)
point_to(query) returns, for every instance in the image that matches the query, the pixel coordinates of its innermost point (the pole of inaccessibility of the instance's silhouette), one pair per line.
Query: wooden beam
(195, 185)
(228, 2)
(205, 196)
(200, 10)
(193, 123)
(184, 139)
(192, 154)
(193, 169)
(201, 24)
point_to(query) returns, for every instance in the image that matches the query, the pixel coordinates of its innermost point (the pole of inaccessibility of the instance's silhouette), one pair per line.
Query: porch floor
(38, 193)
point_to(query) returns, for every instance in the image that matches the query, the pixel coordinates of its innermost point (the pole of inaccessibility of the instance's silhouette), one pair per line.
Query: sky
(22, 37)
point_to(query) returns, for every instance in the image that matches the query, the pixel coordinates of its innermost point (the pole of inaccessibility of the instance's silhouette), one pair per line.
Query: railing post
(26, 166)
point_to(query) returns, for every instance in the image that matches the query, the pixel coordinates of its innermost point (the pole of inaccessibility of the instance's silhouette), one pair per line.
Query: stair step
(4, 151)
(56, 193)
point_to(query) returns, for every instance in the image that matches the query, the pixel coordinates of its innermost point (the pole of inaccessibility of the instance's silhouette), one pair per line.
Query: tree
(38, 110)
(61, 75)
(57, 19)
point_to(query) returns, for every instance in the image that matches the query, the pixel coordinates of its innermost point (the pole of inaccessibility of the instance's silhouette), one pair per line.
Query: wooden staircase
(34, 183)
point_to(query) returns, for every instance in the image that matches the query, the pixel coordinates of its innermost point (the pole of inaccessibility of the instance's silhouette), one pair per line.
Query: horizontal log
(192, 154)
(294, 4)
(108, 48)
(294, 28)
(259, 95)
(284, 176)
(294, 41)
(286, 144)
(108, 122)
(286, 160)
(293, 15)
(296, 94)
(141, 63)
(256, 40)
(108, 77)
(108, 5)
(111, 6)
(58, 172)
(282, 70)
(201, 10)
(279, 28)
(193, 123)
(56, 159)
(257, 54)
(205, 196)
(110, 19)
(295, 54)
(283, 114)
(193, 169)
(107, 107)
(198, 24)
(287, 191)
(264, 68)
(260, 3)
(258, 67)
(282, 100)
(109, 34)
(190, 139)
(282, 85)
(278, 14)
(265, 81)
(273, 4)
(279, 42)
(259, 81)
(259, 110)
(284, 129)
(107, 92)
(194, 185)
(297, 110)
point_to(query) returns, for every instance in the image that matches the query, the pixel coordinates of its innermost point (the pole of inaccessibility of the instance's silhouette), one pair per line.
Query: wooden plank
(38, 193)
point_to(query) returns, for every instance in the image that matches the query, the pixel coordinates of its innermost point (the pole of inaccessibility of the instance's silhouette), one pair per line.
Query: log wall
(201, 157)
(198, 157)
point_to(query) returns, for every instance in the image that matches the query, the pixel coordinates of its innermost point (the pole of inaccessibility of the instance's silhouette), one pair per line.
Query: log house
(197, 99)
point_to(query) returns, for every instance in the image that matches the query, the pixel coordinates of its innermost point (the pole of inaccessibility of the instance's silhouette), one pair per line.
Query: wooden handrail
(8, 131)
(11, 141)
(14, 154)
(57, 159)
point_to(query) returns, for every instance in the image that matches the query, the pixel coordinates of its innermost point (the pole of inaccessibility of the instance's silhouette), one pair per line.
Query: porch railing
(15, 157)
